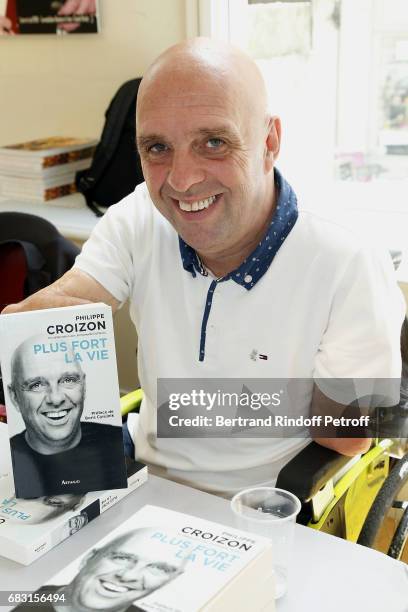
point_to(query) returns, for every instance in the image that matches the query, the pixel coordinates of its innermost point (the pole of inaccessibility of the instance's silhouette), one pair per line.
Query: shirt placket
(205, 326)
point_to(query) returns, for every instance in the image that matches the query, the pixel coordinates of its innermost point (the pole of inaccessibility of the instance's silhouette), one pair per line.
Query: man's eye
(55, 502)
(122, 557)
(215, 143)
(69, 380)
(159, 568)
(37, 386)
(158, 147)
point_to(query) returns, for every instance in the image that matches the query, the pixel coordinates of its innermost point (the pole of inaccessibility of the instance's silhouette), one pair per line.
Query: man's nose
(54, 395)
(128, 572)
(185, 171)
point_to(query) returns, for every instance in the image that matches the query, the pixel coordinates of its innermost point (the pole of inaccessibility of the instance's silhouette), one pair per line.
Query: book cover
(31, 527)
(62, 400)
(165, 561)
(56, 17)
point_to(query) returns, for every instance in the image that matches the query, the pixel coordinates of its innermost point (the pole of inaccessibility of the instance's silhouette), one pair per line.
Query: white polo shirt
(326, 306)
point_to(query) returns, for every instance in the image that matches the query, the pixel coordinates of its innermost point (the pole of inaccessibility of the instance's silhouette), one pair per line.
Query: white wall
(61, 85)
(355, 76)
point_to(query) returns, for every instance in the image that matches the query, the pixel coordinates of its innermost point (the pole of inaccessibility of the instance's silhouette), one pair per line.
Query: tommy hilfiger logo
(254, 355)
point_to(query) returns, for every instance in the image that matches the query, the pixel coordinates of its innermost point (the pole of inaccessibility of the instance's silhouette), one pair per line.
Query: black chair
(35, 241)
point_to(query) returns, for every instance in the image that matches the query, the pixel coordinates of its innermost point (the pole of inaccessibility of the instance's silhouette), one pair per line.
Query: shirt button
(248, 278)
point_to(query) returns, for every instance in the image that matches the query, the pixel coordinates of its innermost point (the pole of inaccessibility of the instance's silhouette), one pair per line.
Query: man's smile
(57, 417)
(197, 204)
(197, 208)
(113, 587)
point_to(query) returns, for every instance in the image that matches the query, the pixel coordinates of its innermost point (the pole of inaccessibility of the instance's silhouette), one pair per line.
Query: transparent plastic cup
(270, 512)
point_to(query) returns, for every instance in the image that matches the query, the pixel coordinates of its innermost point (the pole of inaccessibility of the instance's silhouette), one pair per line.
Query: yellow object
(131, 401)
(359, 486)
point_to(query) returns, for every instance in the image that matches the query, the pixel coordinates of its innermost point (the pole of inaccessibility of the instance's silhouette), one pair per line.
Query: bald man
(110, 578)
(226, 278)
(56, 452)
(49, 393)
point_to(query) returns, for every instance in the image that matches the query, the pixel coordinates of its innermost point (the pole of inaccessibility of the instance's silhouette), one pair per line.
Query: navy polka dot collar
(255, 266)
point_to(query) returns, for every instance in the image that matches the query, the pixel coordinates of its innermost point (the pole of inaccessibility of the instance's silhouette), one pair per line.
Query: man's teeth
(56, 415)
(198, 205)
(115, 588)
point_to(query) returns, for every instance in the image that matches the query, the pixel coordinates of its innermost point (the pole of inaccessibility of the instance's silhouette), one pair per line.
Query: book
(10, 168)
(165, 561)
(30, 528)
(41, 154)
(62, 400)
(44, 169)
(41, 190)
(75, 200)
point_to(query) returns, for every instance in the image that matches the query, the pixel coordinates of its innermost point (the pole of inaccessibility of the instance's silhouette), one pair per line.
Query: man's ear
(13, 395)
(272, 143)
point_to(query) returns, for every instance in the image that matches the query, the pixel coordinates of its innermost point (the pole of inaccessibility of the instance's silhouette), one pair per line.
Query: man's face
(119, 574)
(201, 148)
(38, 510)
(50, 396)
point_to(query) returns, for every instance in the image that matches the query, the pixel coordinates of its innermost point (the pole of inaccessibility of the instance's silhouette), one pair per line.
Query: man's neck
(69, 606)
(45, 449)
(223, 263)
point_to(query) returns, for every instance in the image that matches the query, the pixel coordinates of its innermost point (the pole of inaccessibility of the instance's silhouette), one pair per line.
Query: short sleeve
(108, 255)
(362, 337)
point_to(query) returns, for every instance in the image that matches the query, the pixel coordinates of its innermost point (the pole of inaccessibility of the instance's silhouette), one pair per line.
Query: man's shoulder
(139, 220)
(327, 226)
(100, 431)
(18, 441)
(332, 236)
(92, 426)
(136, 206)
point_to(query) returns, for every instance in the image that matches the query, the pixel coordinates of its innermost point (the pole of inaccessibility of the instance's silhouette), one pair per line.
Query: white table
(326, 573)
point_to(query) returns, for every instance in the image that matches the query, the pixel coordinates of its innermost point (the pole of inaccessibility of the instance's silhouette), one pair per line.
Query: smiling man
(226, 277)
(49, 393)
(207, 146)
(57, 452)
(122, 571)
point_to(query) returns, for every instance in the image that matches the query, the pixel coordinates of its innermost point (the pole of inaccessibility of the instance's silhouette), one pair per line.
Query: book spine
(14, 169)
(58, 192)
(65, 158)
(47, 195)
(25, 556)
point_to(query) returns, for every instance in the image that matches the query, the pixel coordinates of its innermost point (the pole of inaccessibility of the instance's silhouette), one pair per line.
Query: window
(337, 75)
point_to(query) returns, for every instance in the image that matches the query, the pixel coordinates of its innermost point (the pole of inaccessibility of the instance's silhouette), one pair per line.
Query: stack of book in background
(44, 170)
